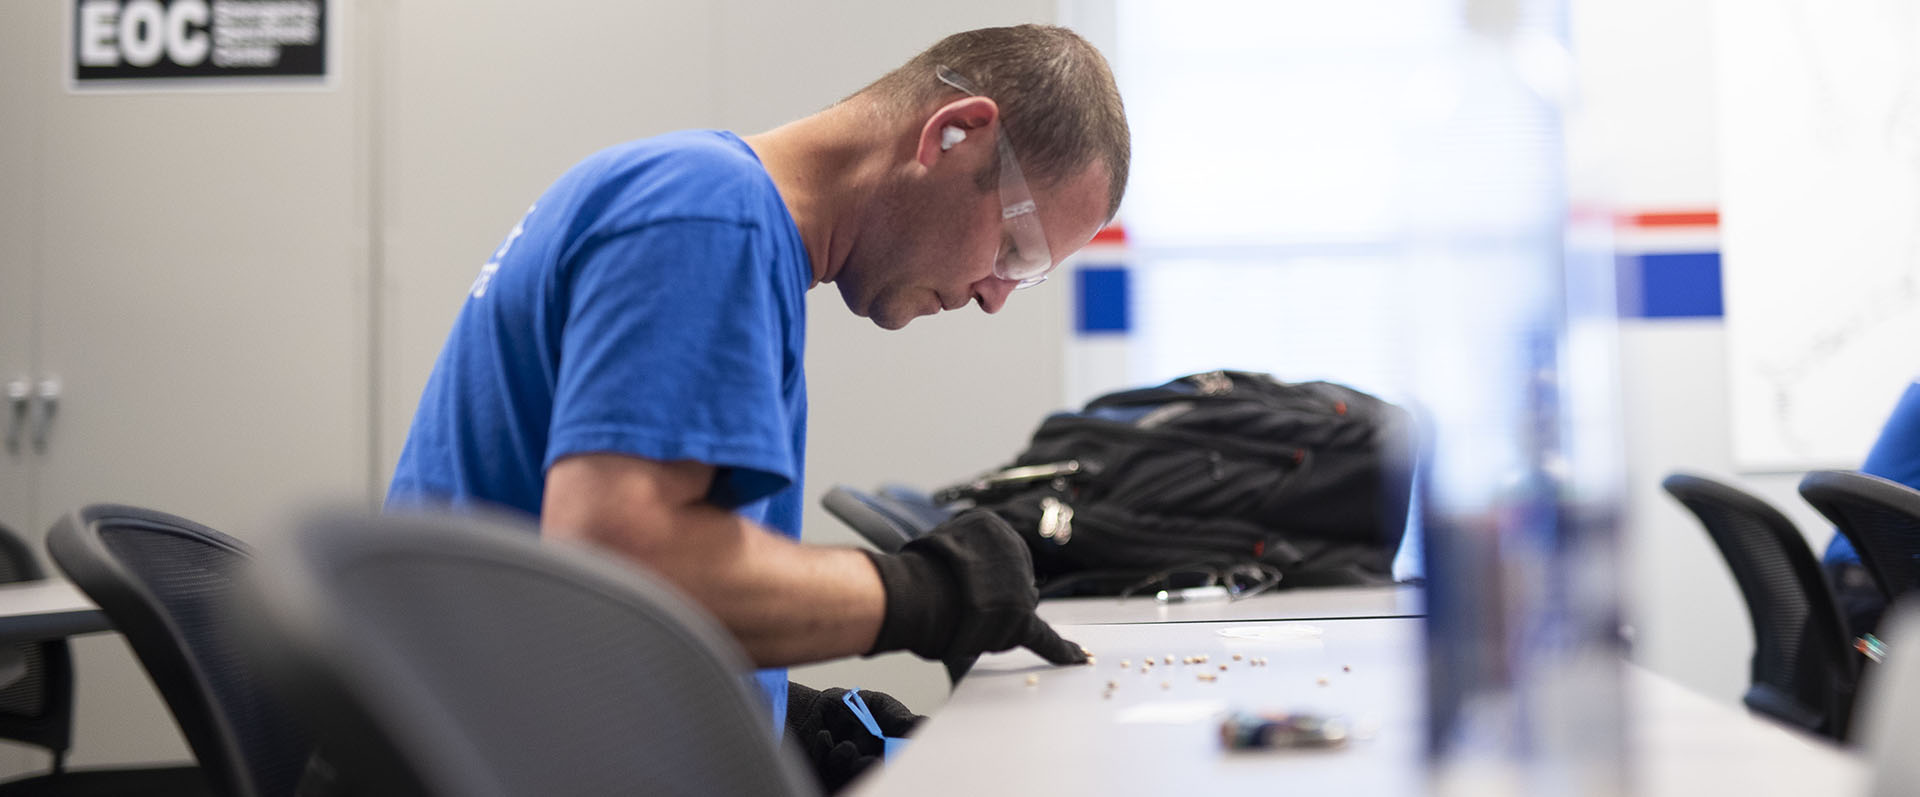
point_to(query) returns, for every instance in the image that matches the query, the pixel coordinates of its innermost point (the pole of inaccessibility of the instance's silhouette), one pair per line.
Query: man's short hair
(1057, 99)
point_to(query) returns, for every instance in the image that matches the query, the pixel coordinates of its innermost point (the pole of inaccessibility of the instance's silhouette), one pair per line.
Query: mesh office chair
(37, 708)
(453, 657)
(1880, 517)
(168, 585)
(1804, 671)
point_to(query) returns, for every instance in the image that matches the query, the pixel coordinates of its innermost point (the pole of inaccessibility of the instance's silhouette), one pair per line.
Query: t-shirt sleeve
(672, 349)
(1896, 453)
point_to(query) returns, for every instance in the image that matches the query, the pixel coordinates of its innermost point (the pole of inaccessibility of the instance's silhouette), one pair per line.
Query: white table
(1158, 732)
(1315, 603)
(49, 609)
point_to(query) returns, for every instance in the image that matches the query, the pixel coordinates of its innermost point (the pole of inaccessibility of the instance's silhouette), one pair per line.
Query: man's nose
(992, 293)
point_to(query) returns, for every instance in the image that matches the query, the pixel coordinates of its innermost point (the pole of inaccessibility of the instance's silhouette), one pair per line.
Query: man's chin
(891, 322)
(885, 314)
(895, 315)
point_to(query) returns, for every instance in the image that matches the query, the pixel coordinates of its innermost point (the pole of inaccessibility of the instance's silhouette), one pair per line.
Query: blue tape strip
(1101, 292)
(1670, 285)
(889, 745)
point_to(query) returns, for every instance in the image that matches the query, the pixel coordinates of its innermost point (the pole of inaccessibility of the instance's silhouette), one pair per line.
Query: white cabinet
(190, 266)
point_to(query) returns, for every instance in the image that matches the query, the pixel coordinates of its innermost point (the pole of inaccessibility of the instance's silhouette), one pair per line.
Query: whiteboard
(1819, 117)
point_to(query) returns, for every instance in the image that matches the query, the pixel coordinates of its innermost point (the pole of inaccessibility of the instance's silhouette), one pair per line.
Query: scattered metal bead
(1236, 657)
(1207, 676)
(1169, 658)
(1322, 680)
(1033, 680)
(1166, 684)
(1345, 668)
(1223, 668)
(1126, 664)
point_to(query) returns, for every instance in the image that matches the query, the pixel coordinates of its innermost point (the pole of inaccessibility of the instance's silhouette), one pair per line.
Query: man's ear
(950, 130)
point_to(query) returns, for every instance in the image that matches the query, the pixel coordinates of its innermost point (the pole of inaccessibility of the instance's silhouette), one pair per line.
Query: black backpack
(1207, 477)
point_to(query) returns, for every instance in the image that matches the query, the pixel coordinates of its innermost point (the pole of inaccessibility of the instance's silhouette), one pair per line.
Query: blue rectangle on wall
(1670, 285)
(1101, 294)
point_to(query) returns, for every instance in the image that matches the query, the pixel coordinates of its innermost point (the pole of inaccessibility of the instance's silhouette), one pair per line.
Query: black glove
(837, 744)
(963, 589)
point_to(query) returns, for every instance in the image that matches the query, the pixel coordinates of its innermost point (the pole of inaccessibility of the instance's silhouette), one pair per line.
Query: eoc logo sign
(119, 40)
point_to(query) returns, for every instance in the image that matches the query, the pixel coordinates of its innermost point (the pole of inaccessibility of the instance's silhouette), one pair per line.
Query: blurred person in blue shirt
(1895, 456)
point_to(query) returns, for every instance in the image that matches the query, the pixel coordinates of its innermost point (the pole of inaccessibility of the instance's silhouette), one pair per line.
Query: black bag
(1205, 477)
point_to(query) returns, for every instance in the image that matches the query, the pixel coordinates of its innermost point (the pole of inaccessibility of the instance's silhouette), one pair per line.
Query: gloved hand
(836, 742)
(963, 589)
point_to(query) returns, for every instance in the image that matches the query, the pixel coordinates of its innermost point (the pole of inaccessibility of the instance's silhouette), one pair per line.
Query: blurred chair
(168, 585)
(1804, 669)
(457, 657)
(1890, 706)
(1880, 517)
(36, 708)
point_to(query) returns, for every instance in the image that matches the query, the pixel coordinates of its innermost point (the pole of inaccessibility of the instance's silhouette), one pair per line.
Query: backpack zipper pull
(1056, 520)
(1213, 383)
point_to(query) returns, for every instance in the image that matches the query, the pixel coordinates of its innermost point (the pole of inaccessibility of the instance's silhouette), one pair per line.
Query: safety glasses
(1024, 258)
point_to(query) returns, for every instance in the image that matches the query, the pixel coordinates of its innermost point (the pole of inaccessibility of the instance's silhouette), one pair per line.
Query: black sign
(140, 39)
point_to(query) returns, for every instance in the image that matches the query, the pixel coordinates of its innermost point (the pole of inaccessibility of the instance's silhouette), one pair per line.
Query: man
(628, 366)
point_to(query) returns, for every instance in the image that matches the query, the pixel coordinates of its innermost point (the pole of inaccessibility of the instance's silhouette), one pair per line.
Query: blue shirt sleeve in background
(1895, 456)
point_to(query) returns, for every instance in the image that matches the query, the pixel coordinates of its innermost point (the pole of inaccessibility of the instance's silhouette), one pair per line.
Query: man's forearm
(786, 603)
(963, 589)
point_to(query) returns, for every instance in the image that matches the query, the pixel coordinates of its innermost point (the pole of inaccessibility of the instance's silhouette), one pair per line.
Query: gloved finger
(848, 729)
(1042, 639)
(843, 764)
(818, 748)
(840, 760)
(958, 666)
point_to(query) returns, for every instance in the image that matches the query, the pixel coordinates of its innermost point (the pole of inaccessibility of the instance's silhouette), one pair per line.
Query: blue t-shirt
(651, 303)
(1895, 456)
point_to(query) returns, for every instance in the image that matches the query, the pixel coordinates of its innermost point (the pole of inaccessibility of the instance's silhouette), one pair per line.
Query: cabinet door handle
(19, 400)
(49, 395)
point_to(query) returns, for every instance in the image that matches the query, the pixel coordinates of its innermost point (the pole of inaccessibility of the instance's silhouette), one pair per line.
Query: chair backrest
(1880, 517)
(1803, 669)
(455, 656)
(36, 708)
(168, 585)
